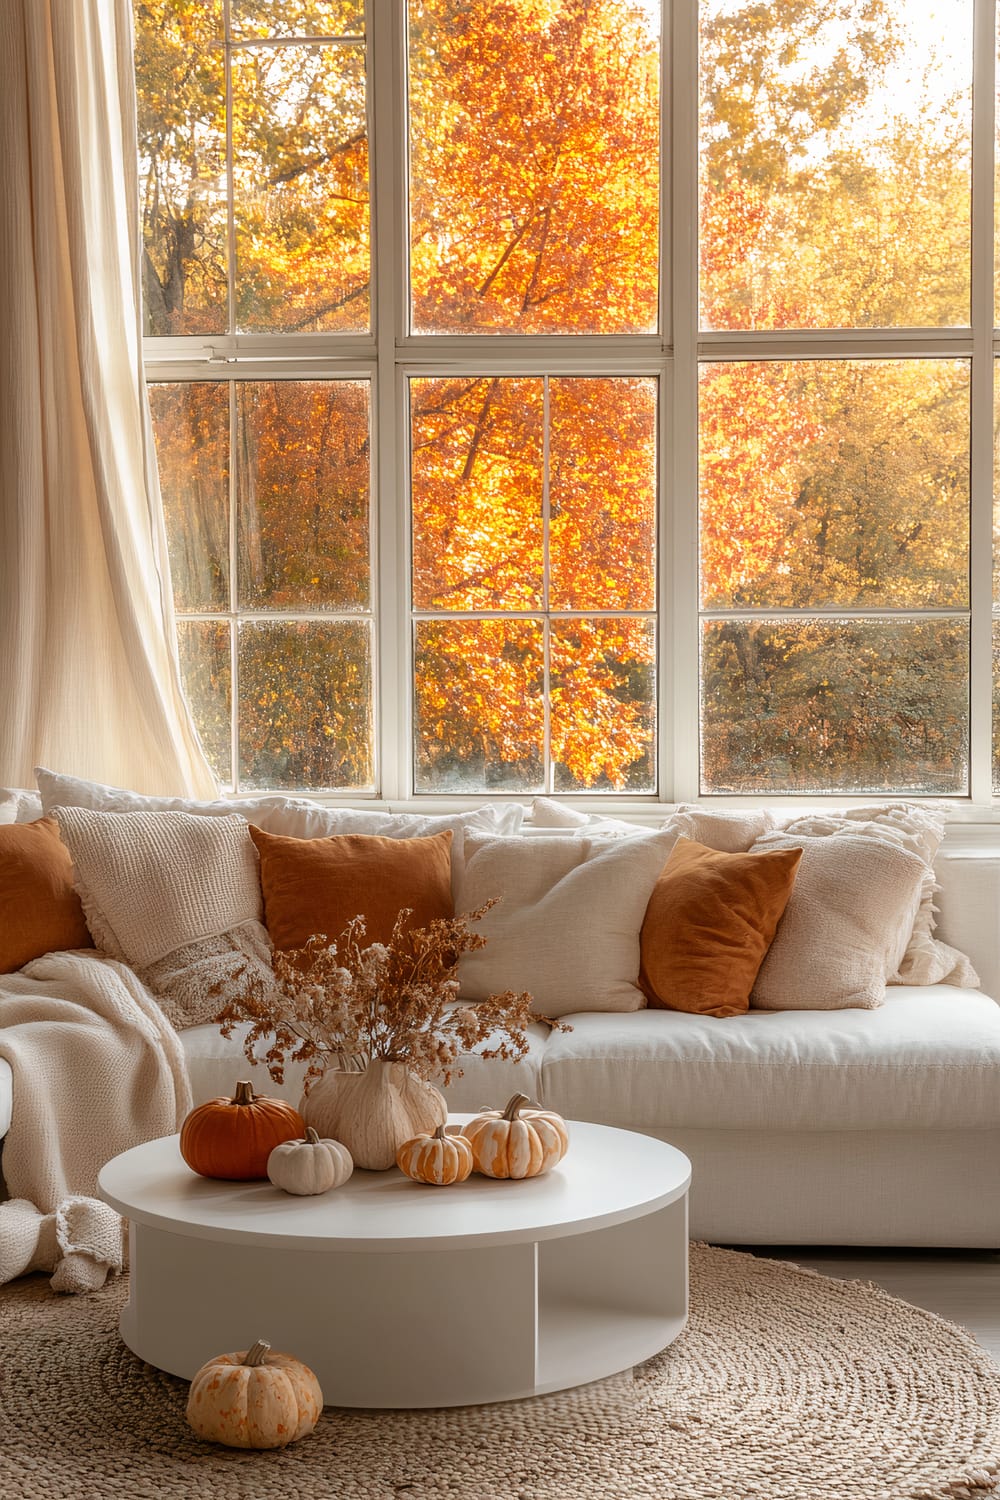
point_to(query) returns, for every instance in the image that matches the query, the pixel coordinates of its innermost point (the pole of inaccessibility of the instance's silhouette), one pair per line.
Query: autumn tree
(533, 209)
(828, 202)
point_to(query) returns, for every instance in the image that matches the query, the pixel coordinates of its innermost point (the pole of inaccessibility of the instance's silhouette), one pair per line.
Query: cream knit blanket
(97, 1069)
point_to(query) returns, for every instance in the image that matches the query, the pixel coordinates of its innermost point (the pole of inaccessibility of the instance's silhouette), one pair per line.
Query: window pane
(305, 705)
(835, 163)
(603, 686)
(602, 494)
(533, 166)
(476, 474)
(179, 63)
(302, 494)
(301, 188)
(203, 646)
(841, 482)
(297, 17)
(835, 706)
(191, 423)
(479, 722)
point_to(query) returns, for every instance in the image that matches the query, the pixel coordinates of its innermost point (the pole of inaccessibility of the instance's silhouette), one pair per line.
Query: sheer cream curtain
(89, 681)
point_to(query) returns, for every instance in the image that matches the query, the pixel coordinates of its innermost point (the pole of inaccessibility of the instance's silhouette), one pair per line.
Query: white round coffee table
(404, 1295)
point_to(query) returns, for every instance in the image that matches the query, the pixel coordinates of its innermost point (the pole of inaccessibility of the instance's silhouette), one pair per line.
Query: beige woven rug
(786, 1386)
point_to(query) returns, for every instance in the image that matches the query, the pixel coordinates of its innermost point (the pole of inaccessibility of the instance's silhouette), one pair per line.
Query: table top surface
(608, 1176)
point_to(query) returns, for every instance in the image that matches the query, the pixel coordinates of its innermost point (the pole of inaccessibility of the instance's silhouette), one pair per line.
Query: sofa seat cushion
(928, 1057)
(215, 1063)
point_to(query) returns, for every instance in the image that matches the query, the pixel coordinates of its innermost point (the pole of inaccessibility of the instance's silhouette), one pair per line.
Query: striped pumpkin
(517, 1142)
(439, 1159)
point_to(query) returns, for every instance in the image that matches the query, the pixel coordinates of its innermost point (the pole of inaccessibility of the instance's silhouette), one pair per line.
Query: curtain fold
(89, 675)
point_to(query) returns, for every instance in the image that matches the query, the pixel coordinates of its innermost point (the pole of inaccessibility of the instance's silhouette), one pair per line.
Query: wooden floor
(960, 1285)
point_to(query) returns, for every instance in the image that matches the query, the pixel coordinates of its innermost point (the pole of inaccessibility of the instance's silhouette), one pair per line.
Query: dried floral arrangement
(343, 1005)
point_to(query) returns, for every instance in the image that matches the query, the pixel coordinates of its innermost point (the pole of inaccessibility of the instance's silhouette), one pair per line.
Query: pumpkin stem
(255, 1356)
(311, 1136)
(439, 1134)
(510, 1113)
(244, 1093)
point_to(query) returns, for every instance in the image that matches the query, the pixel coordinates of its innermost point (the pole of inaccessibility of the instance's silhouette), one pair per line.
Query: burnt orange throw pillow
(40, 911)
(709, 922)
(318, 885)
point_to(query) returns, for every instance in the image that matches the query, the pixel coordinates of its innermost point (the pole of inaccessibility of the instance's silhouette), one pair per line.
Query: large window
(577, 398)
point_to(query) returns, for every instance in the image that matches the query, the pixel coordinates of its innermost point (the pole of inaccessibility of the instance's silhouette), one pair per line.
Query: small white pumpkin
(309, 1166)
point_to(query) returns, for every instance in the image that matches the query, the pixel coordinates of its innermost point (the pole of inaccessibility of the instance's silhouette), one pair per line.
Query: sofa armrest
(968, 905)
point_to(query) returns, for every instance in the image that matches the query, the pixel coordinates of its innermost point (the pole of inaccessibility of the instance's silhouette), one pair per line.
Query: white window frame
(390, 354)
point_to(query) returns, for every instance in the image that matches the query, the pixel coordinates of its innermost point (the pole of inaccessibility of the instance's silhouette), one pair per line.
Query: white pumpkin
(309, 1166)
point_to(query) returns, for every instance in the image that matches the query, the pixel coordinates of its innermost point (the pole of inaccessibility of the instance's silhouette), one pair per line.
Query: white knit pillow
(846, 925)
(172, 895)
(567, 926)
(919, 828)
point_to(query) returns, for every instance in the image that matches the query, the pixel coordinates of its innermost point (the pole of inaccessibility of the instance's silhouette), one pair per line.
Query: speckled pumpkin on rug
(786, 1385)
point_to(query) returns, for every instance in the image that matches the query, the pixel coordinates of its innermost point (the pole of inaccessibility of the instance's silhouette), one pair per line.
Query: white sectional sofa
(863, 1127)
(851, 1127)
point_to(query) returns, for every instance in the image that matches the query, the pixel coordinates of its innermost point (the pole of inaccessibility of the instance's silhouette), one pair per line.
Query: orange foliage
(534, 194)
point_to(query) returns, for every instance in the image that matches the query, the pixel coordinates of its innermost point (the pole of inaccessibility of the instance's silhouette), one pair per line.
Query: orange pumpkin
(439, 1159)
(517, 1142)
(232, 1138)
(254, 1399)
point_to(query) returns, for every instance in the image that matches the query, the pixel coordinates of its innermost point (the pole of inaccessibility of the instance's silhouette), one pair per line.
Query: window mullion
(233, 624)
(679, 689)
(386, 30)
(982, 400)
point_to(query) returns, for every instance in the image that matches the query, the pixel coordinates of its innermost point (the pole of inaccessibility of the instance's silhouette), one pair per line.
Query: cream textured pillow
(18, 805)
(730, 832)
(294, 817)
(546, 812)
(567, 925)
(921, 829)
(166, 893)
(846, 925)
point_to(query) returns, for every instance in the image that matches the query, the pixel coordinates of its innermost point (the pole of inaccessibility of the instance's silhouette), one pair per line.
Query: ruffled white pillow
(919, 828)
(846, 925)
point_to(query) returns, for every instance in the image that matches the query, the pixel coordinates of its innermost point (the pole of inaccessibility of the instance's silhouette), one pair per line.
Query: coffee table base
(418, 1328)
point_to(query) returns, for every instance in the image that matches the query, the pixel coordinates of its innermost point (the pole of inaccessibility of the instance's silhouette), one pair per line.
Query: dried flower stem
(341, 1004)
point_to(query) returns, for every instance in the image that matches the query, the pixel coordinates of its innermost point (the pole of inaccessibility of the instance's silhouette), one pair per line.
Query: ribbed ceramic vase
(374, 1111)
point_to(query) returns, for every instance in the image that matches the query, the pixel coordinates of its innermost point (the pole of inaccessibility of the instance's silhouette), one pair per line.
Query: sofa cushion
(729, 830)
(176, 897)
(928, 1058)
(708, 924)
(920, 828)
(295, 817)
(846, 925)
(40, 912)
(153, 882)
(18, 805)
(566, 927)
(317, 886)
